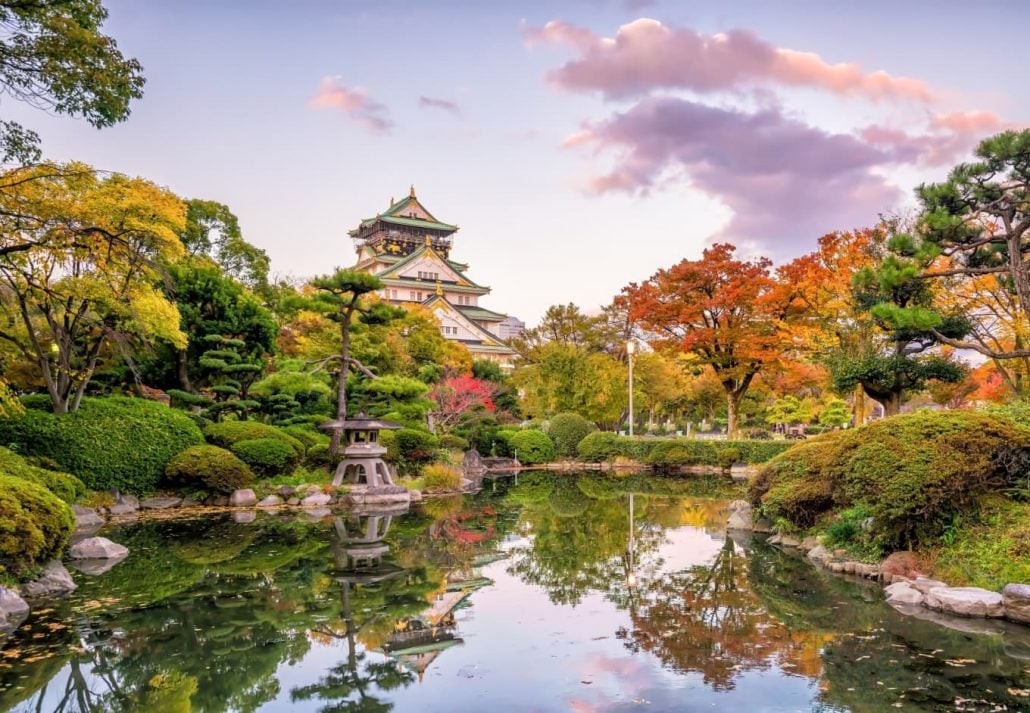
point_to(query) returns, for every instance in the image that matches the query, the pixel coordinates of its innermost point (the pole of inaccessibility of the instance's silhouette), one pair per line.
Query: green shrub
(112, 442)
(598, 447)
(267, 456)
(65, 486)
(227, 433)
(567, 430)
(306, 435)
(208, 468)
(455, 443)
(411, 448)
(914, 473)
(35, 525)
(440, 476)
(532, 446)
(1018, 411)
(728, 457)
(668, 455)
(318, 456)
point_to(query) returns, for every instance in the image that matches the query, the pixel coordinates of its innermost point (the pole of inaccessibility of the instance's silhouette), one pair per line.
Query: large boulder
(924, 585)
(316, 500)
(903, 593)
(243, 498)
(13, 610)
(1016, 598)
(54, 581)
(96, 548)
(966, 601)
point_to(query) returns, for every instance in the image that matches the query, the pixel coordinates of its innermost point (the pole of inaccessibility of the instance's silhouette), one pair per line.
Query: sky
(579, 145)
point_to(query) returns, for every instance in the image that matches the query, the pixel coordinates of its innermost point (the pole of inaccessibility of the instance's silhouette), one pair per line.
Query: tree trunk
(182, 373)
(732, 405)
(859, 410)
(341, 387)
(891, 404)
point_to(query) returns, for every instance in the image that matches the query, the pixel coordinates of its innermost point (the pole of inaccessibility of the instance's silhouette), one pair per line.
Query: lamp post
(631, 348)
(631, 550)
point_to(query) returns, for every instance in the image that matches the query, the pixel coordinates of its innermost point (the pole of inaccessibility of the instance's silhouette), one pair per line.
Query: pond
(549, 592)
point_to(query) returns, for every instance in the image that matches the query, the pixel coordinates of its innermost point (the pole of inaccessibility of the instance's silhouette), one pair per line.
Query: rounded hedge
(728, 457)
(306, 435)
(914, 473)
(599, 446)
(209, 468)
(65, 486)
(410, 446)
(112, 442)
(318, 456)
(567, 430)
(35, 525)
(452, 442)
(532, 446)
(667, 455)
(267, 456)
(227, 433)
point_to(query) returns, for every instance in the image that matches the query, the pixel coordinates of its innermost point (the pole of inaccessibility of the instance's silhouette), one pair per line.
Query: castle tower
(410, 251)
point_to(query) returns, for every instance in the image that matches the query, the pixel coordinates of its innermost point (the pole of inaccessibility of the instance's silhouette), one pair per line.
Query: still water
(555, 593)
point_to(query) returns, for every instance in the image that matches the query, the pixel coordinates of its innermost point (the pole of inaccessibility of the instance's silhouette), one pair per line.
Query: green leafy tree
(53, 56)
(214, 230)
(836, 414)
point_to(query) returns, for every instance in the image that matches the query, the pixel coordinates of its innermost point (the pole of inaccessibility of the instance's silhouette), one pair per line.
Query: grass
(301, 476)
(988, 549)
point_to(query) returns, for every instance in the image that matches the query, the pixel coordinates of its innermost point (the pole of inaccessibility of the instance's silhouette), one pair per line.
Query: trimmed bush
(454, 443)
(914, 473)
(532, 446)
(668, 455)
(318, 456)
(567, 430)
(267, 456)
(440, 476)
(65, 486)
(35, 525)
(599, 447)
(228, 433)
(209, 468)
(728, 457)
(112, 442)
(410, 448)
(306, 435)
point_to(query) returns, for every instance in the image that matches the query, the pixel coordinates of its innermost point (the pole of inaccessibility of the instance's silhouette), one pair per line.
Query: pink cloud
(355, 103)
(645, 55)
(425, 102)
(949, 138)
(784, 181)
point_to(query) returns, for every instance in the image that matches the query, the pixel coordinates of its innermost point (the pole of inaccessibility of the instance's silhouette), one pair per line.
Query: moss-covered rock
(35, 525)
(914, 473)
(209, 468)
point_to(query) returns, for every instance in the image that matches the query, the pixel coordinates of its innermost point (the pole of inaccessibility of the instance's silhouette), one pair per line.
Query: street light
(631, 348)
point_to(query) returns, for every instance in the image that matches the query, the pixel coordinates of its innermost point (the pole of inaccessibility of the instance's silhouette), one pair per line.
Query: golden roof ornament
(411, 194)
(439, 289)
(391, 201)
(429, 240)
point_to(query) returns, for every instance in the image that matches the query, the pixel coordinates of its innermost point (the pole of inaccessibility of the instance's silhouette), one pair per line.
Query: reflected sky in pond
(543, 595)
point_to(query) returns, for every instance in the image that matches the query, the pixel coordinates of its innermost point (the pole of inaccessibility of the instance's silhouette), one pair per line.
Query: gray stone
(849, 567)
(775, 539)
(761, 525)
(790, 541)
(966, 601)
(316, 500)
(1016, 598)
(270, 501)
(126, 505)
(837, 567)
(924, 585)
(740, 520)
(98, 566)
(54, 581)
(244, 516)
(903, 593)
(160, 503)
(96, 548)
(189, 502)
(286, 490)
(317, 514)
(13, 610)
(86, 517)
(809, 543)
(244, 498)
(293, 501)
(738, 505)
(415, 495)
(819, 555)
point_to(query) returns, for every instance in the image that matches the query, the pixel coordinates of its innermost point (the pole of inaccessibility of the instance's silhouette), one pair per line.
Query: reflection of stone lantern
(361, 461)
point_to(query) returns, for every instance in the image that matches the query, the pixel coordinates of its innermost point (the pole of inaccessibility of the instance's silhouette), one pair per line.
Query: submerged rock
(98, 566)
(244, 516)
(97, 548)
(54, 581)
(1016, 598)
(966, 601)
(243, 498)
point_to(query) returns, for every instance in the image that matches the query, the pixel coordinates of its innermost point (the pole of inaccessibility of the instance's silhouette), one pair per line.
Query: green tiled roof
(416, 222)
(480, 313)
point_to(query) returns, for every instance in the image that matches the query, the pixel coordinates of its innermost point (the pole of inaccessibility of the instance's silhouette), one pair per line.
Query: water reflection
(604, 593)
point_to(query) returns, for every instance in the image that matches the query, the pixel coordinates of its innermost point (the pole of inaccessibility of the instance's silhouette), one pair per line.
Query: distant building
(409, 250)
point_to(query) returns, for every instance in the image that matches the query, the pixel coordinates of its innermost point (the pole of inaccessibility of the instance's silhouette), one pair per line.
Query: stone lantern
(361, 460)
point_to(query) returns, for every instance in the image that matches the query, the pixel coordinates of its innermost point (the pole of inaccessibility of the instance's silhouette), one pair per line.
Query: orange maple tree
(726, 312)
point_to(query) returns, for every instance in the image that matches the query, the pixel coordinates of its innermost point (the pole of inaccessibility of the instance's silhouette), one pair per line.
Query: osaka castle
(410, 251)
